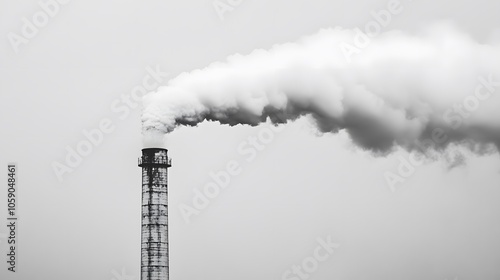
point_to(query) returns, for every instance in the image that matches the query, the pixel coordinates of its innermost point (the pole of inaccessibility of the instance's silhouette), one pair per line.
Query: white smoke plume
(427, 90)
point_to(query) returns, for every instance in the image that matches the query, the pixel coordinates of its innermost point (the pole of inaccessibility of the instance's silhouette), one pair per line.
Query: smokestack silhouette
(393, 90)
(154, 234)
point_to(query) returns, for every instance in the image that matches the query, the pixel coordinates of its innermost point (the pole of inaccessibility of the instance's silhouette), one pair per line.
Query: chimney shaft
(154, 235)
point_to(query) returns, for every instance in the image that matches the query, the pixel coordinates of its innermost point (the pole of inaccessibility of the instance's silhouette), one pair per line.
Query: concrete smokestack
(154, 235)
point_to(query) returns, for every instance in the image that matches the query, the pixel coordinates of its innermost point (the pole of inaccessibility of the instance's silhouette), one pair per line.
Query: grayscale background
(440, 224)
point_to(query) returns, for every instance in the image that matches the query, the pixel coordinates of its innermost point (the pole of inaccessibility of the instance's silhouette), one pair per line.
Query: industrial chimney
(154, 235)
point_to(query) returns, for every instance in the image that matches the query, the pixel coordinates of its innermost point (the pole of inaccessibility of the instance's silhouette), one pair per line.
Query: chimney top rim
(154, 149)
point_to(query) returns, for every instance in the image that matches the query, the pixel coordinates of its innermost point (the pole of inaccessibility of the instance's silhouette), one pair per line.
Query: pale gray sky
(438, 224)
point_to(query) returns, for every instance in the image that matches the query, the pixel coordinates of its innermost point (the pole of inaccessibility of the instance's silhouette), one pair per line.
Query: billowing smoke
(425, 90)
